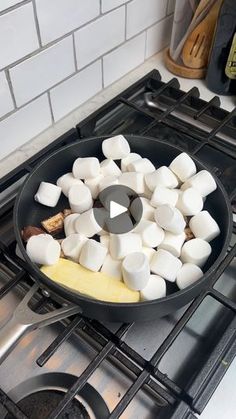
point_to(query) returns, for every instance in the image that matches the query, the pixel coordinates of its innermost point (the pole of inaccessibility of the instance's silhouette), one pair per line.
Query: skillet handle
(24, 320)
(10, 334)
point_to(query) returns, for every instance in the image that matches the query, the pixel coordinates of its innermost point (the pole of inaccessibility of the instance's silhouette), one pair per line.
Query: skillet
(28, 212)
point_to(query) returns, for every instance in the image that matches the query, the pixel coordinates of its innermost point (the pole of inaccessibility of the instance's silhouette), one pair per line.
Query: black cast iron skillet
(28, 212)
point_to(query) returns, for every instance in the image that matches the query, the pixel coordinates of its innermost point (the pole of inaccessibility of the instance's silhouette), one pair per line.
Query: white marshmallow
(105, 240)
(190, 202)
(102, 233)
(155, 288)
(204, 226)
(187, 275)
(166, 265)
(69, 226)
(48, 194)
(196, 251)
(86, 224)
(161, 177)
(136, 271)
(203, 181)
(109, 168)
(43, 249)
(123, 244)
(80, 198)
(66, 181)
(147, 193)
(115, 147)
(183, 167)
(107, 181)
(112, 267)
(163, 195)
(151, 234)
(72, 245)
(86, 167)
(170, 218)
(92, 255)
(148, 210)
(127, 160)
(173, 243)
(93, 185)
(141, 166)
(133, 180)
(149, 252)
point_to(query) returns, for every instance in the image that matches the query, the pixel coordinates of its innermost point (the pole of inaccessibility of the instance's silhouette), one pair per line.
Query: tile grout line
(14, 7)
(103, 82)
(11, 89)
(74, 52)
(126, 17)
(37, 23)
(117, 7)
(145, 45)
(148, 27)
(50, 106)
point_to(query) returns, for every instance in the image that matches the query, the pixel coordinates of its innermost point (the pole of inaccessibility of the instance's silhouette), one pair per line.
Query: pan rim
(67, 293)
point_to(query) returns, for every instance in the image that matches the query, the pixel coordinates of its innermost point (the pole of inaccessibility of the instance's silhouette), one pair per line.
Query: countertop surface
(36, 144)
(223, 402)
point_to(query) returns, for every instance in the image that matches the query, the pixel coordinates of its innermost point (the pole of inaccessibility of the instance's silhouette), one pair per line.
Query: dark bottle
(216, 78)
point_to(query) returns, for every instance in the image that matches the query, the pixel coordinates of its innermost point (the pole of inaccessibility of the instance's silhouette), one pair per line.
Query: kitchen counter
(37, 143)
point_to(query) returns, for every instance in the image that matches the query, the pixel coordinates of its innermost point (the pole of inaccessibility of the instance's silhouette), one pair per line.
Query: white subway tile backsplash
(4, 4)
(24, 124)
(111, 4)
(57, 54)
(18, 35)
(100, 36)
(6, 102)
(142, 14)
(158, 36)
(76, 90)
(58, 17)
(35, 75)
(123, 59)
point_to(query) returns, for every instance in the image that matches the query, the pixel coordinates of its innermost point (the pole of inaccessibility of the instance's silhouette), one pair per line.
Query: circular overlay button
(118, 209)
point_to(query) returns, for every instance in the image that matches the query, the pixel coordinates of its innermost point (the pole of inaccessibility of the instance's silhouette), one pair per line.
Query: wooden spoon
(196, 48)
(200, 14)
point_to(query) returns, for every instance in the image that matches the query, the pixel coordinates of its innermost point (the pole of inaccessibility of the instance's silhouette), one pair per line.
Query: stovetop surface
(193, 346)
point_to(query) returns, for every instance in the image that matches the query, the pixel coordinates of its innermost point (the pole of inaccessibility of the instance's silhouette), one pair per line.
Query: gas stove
(80, 368)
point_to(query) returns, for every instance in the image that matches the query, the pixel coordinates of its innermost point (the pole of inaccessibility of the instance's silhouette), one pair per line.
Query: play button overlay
(118, 209)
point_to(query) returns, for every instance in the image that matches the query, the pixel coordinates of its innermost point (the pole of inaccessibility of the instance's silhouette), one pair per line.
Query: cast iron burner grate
(153, 108)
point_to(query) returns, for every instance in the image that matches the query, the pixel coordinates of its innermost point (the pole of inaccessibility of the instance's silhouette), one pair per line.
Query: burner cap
(41, 404)
(38, 397)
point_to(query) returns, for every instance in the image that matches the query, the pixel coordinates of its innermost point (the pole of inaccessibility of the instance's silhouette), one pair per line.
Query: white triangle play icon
(116, 209)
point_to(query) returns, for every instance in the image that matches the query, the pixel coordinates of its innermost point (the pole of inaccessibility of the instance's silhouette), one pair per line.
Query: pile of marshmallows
(169, 195)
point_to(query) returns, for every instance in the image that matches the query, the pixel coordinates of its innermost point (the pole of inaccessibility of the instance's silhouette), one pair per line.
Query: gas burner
(38, 397)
